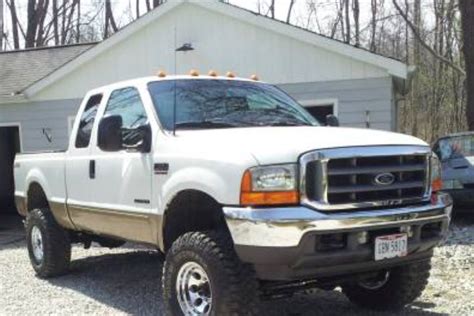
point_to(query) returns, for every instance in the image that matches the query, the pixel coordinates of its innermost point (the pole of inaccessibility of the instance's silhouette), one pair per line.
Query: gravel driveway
(126, 281)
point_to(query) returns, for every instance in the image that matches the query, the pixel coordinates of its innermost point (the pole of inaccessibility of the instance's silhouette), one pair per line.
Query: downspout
(401, 89)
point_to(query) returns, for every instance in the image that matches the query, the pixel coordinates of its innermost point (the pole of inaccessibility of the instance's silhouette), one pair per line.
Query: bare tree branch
(424, 44)
(290, 9)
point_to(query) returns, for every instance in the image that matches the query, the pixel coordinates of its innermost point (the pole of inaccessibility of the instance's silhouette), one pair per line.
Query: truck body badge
(161, 168)
(384, 179)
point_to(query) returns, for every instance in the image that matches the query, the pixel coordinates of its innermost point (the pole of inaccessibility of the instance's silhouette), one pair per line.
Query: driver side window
(127, 104)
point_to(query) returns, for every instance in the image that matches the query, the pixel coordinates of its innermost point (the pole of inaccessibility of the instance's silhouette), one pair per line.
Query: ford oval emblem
(384, 179)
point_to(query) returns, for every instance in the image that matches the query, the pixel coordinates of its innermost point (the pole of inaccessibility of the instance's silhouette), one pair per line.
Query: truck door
(121, 179)
(78, 181)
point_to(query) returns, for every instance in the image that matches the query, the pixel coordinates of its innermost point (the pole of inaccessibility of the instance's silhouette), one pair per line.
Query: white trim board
(15, 124)
(70, 124)
(392, 66)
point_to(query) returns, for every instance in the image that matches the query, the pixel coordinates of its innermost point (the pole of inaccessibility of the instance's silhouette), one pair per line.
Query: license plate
(390, 246)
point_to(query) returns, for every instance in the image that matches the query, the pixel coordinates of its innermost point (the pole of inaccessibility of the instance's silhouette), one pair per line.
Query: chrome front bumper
(286, 226)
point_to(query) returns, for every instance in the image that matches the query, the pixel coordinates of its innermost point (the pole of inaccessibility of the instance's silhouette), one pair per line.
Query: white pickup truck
(248, 196)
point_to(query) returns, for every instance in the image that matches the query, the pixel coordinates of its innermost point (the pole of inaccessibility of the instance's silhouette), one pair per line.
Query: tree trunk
(356, 12)
(417, 24)
(1, 25)
(55, 22)
(467, 21)
(290, 10)
(157, 3)
(32, 24)
(109, 19)
(373, 25)
(78, 22)
(63, 23)
(272, 9)
(41, 11)
(348, 21)
(14, 18)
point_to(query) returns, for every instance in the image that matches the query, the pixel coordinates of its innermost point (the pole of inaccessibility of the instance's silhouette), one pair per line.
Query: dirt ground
(127, 281)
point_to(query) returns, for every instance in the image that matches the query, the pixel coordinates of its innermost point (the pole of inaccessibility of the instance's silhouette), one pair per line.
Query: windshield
(202, 103)
(455, 147)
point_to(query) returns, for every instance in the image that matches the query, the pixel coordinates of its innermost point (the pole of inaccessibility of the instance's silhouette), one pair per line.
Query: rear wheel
(49, 247)
(202, 275)
(390, 290)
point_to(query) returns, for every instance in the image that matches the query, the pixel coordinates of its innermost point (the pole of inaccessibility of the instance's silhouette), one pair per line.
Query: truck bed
(46, 169)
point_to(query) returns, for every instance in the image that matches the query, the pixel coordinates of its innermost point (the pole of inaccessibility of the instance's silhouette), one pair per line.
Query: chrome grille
(348, 178)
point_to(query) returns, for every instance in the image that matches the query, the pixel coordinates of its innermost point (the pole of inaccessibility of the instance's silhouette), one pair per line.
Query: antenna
(186, 47)
(175, 69)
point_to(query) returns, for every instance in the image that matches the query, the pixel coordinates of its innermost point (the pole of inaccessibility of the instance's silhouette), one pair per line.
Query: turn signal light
(437, 185)
(269, 198)
(436, 179)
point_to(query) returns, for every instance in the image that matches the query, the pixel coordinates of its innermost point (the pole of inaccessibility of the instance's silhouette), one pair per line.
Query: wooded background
(435, 36)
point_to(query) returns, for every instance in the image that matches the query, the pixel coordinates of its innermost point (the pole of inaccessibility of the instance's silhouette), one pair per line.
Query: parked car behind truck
(247, 195)
(456, 152)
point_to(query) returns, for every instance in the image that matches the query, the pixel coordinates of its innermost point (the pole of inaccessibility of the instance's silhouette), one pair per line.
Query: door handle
(92, 169)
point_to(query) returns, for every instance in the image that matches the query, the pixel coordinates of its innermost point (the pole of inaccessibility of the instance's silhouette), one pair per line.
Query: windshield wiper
(204, 124)
(286, 123)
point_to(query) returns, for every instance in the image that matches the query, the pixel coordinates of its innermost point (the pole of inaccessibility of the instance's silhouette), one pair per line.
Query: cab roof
(148, 79)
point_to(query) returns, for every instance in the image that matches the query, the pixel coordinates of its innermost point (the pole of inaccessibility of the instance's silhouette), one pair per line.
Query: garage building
(41, 89)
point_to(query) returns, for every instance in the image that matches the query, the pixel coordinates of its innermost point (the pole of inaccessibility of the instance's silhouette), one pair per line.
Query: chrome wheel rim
(37, 244)
(194, 290)
(375, 283)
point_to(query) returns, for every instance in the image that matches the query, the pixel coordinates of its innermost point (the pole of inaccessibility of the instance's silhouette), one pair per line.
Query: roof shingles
(20, 69)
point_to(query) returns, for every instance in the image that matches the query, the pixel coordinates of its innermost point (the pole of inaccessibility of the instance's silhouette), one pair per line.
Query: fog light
(362, 237)
(331, 242)
(408, 230)
(431, 230)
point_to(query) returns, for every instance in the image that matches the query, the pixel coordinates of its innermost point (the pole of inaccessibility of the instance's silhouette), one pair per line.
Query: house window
(319, 109)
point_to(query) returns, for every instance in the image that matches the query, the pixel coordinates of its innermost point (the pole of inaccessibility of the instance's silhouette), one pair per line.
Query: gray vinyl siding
(35, 116)
(354, 98)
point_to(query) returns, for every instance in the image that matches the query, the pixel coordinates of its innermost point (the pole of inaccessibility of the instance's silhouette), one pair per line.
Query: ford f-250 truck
(248, 196)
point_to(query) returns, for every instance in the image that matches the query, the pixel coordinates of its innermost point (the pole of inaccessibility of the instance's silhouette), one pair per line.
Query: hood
(271, 145)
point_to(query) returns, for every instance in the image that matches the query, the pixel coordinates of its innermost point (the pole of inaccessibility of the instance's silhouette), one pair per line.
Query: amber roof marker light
(254, 77)
(213, 73)
(161, 74)
(230, 74)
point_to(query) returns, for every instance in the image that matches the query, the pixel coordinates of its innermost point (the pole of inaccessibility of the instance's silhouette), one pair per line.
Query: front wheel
(202, 275)
(392, 289)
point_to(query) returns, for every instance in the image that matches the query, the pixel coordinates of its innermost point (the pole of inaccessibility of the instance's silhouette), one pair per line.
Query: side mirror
(138, 139)
(110, 133)
(332, 120)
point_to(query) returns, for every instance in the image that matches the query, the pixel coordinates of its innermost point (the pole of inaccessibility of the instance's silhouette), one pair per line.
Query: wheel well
(191, 210)
(36, 197)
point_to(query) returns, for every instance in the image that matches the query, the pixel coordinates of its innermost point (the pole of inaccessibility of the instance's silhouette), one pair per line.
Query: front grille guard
(321, 176)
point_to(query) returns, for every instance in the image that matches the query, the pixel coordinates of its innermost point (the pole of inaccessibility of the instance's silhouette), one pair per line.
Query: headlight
(274, 178)
(436, 182)
(270, 185)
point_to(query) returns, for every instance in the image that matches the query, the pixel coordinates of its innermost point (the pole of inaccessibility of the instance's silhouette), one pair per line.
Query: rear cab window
(86, 122)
